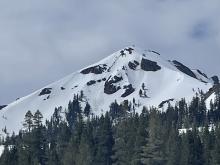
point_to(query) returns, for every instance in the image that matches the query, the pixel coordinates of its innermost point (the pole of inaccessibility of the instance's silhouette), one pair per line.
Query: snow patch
(2, 147)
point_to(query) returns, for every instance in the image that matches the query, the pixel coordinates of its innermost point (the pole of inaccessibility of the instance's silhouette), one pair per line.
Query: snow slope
(119, 77)
(1, 150)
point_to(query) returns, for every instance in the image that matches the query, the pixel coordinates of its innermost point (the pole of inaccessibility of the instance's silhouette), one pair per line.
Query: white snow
(1, 149)
(200, 129)
(162, 85)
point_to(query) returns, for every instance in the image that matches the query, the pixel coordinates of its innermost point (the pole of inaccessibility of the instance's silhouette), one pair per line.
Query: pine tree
(62, 141)
(121, 146)
(9, 156)
(71, 151)
(193, 149)
(118, 138)
(28, 121)
(73, 110)
(184, 152)
(173, 147)
(104, 141)
(207, 145)
(202, 112)
(216, 151)
(152, 151)
(138, 135)
(40, 147)
(87, 110)
(37, 119)
(84, 155)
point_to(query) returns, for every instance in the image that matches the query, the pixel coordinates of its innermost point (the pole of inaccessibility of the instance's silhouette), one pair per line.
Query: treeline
(120, 137)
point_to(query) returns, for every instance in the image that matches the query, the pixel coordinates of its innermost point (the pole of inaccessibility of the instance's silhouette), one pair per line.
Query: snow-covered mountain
(127, 74)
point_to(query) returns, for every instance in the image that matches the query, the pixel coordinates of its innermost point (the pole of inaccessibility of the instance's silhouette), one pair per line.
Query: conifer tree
(104, 141)
(216, 151)
(207, 145)
(37, 119)
(28, 121)
(39, 139)
(184, 152)
(84, 155)
(173, 147)
(152, 151)
(87, 110)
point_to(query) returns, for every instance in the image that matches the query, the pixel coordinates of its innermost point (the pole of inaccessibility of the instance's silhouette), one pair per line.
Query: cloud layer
(42, 41)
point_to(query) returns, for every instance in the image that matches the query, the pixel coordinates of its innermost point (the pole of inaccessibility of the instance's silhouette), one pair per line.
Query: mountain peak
(128, 57)
(139, 77)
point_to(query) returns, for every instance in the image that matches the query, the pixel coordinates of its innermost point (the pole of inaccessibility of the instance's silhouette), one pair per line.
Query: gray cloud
(42, 41)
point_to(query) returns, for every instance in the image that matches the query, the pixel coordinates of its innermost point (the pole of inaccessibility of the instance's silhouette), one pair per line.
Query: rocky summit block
(128, 90)
(2, 106)
(184, 69)
(148, 65)
(110, 86)
(98, 69)
(45, 91)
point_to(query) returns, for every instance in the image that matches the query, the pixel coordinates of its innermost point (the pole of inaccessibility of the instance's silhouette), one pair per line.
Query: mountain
(141, 77)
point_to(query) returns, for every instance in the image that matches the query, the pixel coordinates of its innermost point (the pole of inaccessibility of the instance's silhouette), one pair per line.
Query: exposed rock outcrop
(164, 102)
(129, 50)
(215, 79)
(184, 69)
(2, 106)
(98, 69)
(128, 90)
(110, 86)
(203, 74)
(45, 91)
(148, 65)
(91, 82)
(133, 65)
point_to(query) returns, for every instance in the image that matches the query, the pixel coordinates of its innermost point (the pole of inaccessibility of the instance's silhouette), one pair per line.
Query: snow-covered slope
(127, 74)
(1, 149)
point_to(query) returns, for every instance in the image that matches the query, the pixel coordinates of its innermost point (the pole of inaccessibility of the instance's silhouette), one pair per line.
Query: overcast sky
(44, 40)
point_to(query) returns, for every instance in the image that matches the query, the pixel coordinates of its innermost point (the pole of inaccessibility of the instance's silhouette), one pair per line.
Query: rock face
(133, 65)
(155, 52)
(45, 91)
(203, 74)
(129, 50)
(148, 65)
(2, 106)
(98, 69)
(164, 102)
(91, 82)
(215, 79)
(214, 89)
(110, 85)
(184, 69)
(128, 90)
